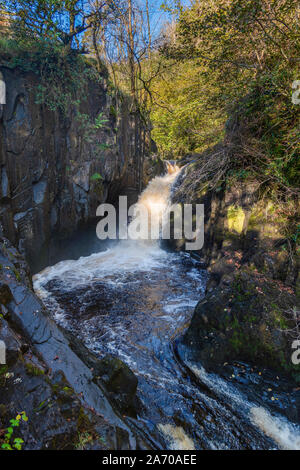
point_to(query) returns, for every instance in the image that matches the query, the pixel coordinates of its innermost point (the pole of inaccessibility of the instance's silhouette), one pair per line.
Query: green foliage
(63, 74)
(10, 442)
(296, 236)
(32, 370)
(88, 130)
(64, 82)
(41, 33)
(64, 77)
(3, 372)
(96, 177)
(17, 274)
(84, 438)
(58, 21)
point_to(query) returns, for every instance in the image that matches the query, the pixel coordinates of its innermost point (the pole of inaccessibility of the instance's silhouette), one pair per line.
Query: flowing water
(133, 301)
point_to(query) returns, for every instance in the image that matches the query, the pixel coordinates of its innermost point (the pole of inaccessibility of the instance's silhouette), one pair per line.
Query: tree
(245, 52)
(56, 20)
(124, 43)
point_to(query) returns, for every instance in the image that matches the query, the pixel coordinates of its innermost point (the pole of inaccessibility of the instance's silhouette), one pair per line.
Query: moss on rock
(235, 218)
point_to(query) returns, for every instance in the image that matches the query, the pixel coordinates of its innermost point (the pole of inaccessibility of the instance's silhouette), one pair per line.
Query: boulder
(112, 375)
(248, 317)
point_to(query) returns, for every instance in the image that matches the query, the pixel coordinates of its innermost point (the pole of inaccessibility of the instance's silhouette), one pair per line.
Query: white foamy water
(177, 437)
(129, 255)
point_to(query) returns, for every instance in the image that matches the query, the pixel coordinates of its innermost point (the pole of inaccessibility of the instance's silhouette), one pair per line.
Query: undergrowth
(63, 74)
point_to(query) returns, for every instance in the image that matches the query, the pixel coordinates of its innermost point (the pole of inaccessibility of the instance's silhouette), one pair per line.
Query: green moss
(242, 292)
(55, 387)
(236, 341)
(251, 319)
(17, 274)
(291, 369)
(84, 438)
(3, 372)
(202, 191)
(235, 218)
(86, 432)
(3, 410)
(279, 319)
(113, 111)
(83, 422)
(267, 219)
(98, 188)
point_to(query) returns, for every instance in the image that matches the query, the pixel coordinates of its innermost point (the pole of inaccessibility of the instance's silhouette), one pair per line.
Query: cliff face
(47, 162)
(251, 309)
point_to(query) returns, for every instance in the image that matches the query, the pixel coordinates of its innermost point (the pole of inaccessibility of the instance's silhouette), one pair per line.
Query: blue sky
(157, 15)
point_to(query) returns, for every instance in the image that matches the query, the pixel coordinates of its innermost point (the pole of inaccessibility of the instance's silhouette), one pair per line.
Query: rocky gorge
(133, 347)
(251, 308)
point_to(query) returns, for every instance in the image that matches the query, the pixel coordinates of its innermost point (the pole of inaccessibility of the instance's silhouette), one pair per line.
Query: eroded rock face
(47, 161)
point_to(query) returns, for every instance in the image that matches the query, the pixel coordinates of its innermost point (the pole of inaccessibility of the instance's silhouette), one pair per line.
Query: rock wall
(47, 163)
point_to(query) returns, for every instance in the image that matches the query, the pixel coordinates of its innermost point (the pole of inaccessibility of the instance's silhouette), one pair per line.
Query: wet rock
(39, 192)
(153, 166)
(250, 295)
(119, 381)
(245, 318)
(56, 418)
(13, 345)
(115, 376)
